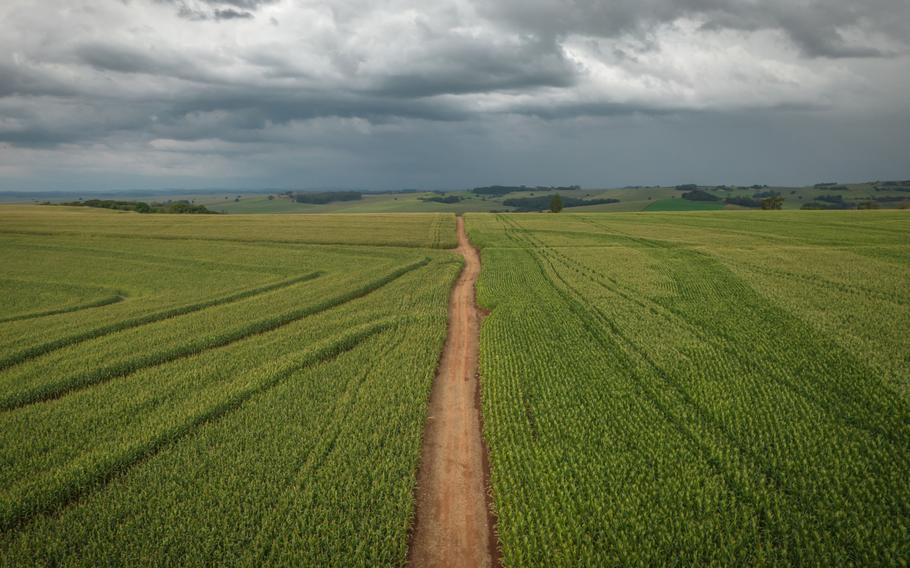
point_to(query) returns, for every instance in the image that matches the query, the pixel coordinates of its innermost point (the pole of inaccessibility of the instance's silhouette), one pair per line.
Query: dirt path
(454, 527)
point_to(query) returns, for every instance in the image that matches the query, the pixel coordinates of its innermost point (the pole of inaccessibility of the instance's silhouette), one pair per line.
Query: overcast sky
(111, 94)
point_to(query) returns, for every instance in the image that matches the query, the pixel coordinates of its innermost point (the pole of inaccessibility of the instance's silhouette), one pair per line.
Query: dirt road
(453, 526)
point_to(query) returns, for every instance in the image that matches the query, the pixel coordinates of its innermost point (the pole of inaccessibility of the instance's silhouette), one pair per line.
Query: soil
(454, 525)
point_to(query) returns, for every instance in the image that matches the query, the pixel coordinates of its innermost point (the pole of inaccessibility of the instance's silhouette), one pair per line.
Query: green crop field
(714, 388)
(683, 205)
(657, 388)
(178, 391)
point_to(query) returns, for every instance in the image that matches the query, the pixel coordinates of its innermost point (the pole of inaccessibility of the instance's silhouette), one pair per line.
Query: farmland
(883, 194)
(688, 387)
(697, 388)
(195, 393)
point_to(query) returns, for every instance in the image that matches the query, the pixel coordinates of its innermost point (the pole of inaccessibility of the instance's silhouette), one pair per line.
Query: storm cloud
(145, 93)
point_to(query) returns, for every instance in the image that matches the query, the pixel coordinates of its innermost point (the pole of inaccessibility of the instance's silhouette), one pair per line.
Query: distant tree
(440, 199)
(699, 195)
(271, 197)
(556, 203)
(543, 202)
(321, 198)
(774, 202)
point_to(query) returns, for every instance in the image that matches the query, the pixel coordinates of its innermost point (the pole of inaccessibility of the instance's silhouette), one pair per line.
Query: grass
(699, 388)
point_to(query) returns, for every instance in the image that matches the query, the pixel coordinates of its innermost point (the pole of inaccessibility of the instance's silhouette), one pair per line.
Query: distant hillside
(500, 190)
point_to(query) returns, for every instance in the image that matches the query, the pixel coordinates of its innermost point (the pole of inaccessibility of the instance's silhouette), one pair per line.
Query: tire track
(45, 348)
(77, 308)
(97, 376)
(87, 478)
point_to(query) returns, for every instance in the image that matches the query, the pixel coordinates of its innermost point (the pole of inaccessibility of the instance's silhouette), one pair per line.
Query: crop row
(758, 432)
(315, 464)
(35, 496)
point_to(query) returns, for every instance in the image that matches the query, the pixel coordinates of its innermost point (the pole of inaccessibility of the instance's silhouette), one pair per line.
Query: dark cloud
(217, 10)
(460, 68)
(129, 59)
(29, 79)
(815, 26)
(232, 14)
(217, 14)
(425, 92)
(243, 4)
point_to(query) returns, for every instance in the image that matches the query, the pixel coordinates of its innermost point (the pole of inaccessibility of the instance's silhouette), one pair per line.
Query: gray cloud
(217, 10)
(31, 80)
(130, 59)
(232, 14)
(423, 86)
(815, 26)
(459, 68)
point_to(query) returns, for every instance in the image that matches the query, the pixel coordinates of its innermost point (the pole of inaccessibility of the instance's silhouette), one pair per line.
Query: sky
(153, 94)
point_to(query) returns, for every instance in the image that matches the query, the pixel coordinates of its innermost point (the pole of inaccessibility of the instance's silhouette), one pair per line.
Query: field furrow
(49, 347)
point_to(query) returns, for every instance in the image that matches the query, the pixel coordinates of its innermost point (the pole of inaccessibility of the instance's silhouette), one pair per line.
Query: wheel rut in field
(454, 525)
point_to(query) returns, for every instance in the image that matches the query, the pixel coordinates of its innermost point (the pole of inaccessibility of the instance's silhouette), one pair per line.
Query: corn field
(243, 401)
(697, 389)
(703, 388)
